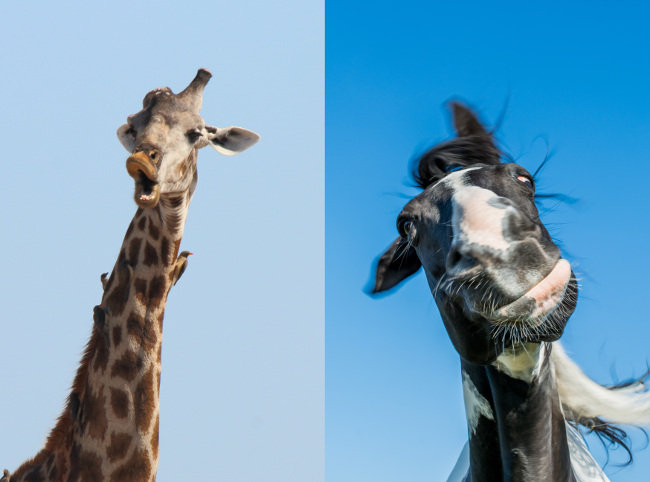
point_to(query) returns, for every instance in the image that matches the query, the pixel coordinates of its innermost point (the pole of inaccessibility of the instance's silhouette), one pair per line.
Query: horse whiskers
(443, 279)
(521, 330)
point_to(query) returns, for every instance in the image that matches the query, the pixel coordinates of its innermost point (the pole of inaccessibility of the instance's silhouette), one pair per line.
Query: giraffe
(108, 430)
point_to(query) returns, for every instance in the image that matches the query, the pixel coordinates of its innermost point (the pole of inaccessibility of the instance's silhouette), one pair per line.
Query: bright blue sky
(576, 74)
(243, 366)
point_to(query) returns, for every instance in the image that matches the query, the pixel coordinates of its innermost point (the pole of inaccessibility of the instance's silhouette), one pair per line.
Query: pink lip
(546, 295)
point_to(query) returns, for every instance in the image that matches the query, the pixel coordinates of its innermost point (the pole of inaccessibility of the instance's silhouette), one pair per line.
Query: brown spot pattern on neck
(115, 426)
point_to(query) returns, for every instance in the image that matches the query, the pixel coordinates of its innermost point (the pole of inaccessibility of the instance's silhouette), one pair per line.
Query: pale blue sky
(576, 74)
(243, 365)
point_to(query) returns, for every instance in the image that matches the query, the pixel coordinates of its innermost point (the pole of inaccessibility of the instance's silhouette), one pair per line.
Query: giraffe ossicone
(108, 430)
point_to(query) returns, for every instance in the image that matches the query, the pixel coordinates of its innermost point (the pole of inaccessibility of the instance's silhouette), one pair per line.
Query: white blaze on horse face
(476, 221)
(476, 406)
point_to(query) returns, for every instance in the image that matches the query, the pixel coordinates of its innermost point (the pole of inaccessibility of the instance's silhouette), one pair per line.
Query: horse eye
(525, 180)
(194, 135)
(452, 168)
(404, 228)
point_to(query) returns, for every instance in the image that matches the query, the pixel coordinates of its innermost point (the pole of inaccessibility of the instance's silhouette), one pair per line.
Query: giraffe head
(163, 139)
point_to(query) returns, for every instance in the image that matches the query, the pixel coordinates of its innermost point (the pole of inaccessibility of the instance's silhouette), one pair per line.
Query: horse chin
(536, 305)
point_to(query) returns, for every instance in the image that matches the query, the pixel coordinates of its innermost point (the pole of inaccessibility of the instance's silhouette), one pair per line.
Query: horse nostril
(453, 258)
(458, 262)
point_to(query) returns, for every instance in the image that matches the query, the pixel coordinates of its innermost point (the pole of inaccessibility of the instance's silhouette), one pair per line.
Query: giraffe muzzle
(144, 173)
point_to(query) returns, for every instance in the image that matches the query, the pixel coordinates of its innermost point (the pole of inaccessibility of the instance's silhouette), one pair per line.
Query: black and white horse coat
(505, 295)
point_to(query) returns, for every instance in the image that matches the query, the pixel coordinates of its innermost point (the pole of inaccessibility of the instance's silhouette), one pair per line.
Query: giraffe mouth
(147, 190)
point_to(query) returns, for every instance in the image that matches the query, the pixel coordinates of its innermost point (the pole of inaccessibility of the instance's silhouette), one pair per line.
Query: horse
(505, 294)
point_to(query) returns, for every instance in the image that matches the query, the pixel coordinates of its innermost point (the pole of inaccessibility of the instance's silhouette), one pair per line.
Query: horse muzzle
(539, 302)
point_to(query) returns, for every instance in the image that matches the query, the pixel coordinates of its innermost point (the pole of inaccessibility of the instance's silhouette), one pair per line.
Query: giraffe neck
(109, 429)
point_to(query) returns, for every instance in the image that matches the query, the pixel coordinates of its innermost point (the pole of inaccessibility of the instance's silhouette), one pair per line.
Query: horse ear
(398, 263)
(466, 122)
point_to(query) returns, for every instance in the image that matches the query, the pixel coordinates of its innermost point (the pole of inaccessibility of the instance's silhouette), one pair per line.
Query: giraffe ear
(127, 137)
(230, 140)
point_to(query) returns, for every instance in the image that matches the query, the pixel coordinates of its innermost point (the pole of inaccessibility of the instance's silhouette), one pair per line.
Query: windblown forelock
(462, 151)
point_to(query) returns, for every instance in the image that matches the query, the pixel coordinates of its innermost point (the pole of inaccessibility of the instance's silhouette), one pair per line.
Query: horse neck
(515, 422)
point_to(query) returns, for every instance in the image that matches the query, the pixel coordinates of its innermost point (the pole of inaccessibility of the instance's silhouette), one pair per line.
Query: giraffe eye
(194, 135)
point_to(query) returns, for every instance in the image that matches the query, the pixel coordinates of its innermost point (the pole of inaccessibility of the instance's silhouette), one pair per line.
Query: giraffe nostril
(152, 153)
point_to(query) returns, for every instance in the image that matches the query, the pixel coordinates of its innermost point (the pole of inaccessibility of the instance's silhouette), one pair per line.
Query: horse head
(494, 271)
